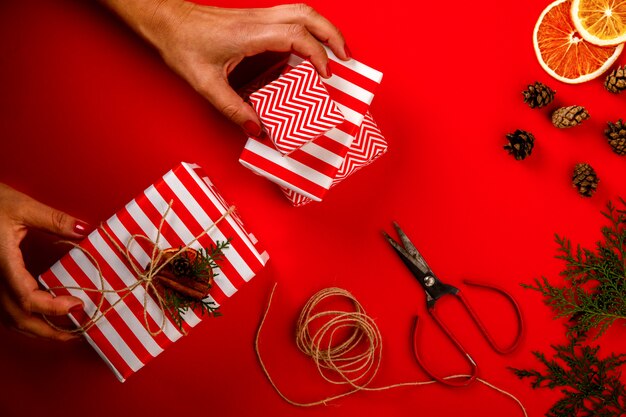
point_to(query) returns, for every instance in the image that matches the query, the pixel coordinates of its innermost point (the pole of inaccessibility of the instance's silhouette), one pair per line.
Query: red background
(89, 116)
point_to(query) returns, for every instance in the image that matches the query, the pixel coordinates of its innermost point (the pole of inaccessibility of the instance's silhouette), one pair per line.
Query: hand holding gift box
(308, 171)
(117, 270)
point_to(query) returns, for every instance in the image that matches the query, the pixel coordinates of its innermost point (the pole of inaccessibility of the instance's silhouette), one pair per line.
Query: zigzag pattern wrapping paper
(368, 146)
(295, 108)
(121, 337)
(311, 169)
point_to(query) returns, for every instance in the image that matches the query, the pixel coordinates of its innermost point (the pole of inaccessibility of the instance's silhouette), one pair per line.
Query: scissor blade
(410, 261)
(411, 249)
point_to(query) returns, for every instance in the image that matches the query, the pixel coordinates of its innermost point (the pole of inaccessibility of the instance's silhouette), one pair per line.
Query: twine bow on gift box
(148, 277)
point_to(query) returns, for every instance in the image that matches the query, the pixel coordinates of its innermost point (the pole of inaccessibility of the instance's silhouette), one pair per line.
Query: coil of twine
(355, 359)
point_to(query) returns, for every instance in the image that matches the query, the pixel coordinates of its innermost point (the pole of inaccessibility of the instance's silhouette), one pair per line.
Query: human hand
(22, 302)
(204, 44)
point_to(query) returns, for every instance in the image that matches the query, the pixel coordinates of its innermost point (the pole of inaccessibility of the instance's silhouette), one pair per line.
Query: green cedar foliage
(591, 386)
(593, 295)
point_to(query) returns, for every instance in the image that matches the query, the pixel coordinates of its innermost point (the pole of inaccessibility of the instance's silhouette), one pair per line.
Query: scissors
(436, 289)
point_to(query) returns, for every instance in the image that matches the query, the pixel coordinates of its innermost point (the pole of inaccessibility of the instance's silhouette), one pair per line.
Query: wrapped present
(368, 146)
(126, 317)
(295, 108)
(311, 169)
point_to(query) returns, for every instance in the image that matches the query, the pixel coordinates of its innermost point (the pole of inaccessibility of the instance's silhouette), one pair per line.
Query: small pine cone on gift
(616, 135)
(585, 179)
(615, 82)
(520, 144)
(569, 116)
(181, 266)
(538, 95)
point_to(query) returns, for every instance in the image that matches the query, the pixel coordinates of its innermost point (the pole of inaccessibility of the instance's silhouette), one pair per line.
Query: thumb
(223, 98)
(43, 217)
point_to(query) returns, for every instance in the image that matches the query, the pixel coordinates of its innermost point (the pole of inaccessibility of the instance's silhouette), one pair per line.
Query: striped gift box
(367, 147)
(311, 169)
(123, 336)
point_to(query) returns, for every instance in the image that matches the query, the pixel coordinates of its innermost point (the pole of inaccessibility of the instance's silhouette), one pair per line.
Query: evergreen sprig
(207, 258)
(593, 295)
(204, 267)
(178, 305)
(591, 386)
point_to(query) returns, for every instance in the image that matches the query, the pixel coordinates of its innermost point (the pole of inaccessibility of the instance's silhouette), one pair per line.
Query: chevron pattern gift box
(124, 322)
(311, 169)
(295, 108)
(369, 145)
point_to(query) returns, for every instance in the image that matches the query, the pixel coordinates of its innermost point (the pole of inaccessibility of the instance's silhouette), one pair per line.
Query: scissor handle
(474, 368)
(481, 326)
(449, 382)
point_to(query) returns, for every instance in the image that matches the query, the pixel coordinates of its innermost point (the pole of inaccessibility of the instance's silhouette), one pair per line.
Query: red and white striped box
(295, 108)
(368, 146)
(311, 169)
(120, 336)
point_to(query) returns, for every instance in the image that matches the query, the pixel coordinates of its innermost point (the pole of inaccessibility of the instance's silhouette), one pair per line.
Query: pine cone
(569, 116)
(520, 144)
(181, 266)
(538, 95)
(585, 180)
(616, 80)
(616, 134)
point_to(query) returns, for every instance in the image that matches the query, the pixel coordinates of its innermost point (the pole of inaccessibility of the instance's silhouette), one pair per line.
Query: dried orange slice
(601, 22)
(563, 53)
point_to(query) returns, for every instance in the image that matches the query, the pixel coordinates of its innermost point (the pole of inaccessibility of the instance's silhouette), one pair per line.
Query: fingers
(27, 295)
(35, 326)
(45, 303)
(289, 37)
(41, 216)
(277, 38)
(28, 323)
(224, 99)
(304, 15)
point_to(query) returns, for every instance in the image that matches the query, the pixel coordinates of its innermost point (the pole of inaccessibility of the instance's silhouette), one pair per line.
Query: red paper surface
(89, 114)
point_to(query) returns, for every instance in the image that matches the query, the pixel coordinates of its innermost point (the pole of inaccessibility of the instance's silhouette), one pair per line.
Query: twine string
(341, 363)
(145, 277)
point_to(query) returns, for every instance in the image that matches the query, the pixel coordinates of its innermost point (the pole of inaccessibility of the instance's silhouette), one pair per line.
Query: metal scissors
(436, 289)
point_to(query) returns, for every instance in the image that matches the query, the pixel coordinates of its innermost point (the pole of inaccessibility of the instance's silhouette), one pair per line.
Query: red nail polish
(329, 73)
(76, 309)
(347, 51)
(81, 228)
(252, 129)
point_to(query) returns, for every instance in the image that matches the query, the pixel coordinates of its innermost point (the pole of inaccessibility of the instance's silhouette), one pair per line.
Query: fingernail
(81, 227)
(76, 309)
(329, 73)
(252, 129)
(347, 51)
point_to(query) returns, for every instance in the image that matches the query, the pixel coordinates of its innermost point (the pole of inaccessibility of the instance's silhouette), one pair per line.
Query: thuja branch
(591, 386)
(187, 278)
(593, 294)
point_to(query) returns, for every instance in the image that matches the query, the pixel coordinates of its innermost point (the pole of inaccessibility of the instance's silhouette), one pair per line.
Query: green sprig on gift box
(201, 268)
(593, 295)
(178, 305)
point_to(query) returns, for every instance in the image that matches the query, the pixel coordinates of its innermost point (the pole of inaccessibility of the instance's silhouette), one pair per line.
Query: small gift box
(368, 146)
(295, 108)
(148, 273)
(311, 169)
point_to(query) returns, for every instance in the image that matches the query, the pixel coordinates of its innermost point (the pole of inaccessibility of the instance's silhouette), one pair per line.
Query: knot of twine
(145, 277)
(353, 361)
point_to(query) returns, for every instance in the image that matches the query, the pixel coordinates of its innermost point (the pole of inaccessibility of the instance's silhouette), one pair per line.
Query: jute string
(356, 360)
(145, 277)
